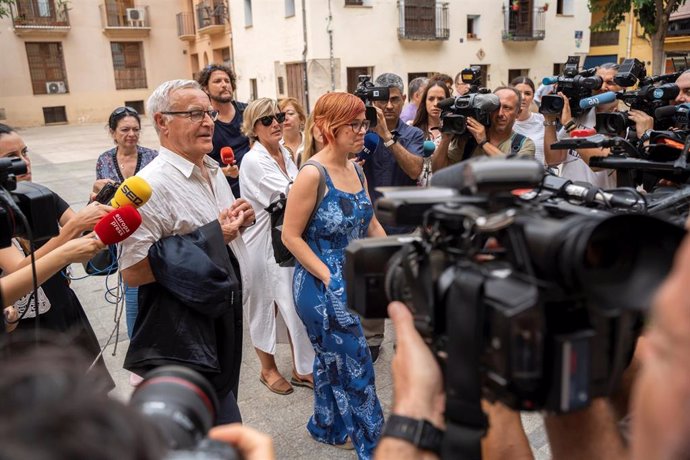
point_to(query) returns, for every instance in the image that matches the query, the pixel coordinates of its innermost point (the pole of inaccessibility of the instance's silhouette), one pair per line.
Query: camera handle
(466, 423)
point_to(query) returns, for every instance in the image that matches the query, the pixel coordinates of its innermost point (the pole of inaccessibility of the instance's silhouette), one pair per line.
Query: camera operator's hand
(417, 379)
(381, 128)
(643, 122)
(252, 444)
(566, 114)
(477, 130)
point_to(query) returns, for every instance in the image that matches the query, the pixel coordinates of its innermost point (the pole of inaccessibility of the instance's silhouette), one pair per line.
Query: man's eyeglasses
(359, 125)
(268, 119)
(195, 115)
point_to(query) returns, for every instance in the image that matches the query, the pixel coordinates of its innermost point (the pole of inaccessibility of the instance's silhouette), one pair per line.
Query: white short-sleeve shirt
(181, 201)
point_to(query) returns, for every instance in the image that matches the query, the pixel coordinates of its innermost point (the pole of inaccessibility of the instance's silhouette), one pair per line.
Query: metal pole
(304, 55)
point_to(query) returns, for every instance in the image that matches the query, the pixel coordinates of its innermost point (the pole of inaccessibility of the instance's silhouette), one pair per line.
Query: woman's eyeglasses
(359, 125)
(268, 119)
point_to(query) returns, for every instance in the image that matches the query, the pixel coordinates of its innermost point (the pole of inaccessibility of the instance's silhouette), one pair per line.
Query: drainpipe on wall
(631, 18)
(304, 55)
(330, 45)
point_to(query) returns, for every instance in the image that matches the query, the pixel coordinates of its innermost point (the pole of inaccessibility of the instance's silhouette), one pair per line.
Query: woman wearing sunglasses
(267, 170)
(347, 412)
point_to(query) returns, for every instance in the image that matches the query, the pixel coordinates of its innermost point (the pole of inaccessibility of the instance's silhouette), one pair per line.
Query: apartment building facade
(75, 61)
(204, 28)
(304, 48)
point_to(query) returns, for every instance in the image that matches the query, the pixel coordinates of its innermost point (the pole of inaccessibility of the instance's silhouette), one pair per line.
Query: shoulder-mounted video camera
(27, 210)
(575, 84)
(368, 93)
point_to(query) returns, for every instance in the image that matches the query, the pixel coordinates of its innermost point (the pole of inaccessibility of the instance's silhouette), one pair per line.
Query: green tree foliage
(653, 16)
(5, 7)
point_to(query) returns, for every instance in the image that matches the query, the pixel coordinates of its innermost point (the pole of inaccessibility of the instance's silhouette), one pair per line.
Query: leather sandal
(300, 382)
(347, 445)
(277, 387)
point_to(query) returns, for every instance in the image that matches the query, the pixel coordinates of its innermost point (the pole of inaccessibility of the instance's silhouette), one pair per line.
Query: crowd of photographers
(501, 301)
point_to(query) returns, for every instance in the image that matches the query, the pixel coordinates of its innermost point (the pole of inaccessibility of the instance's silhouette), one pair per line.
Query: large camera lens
(180, 402)
(617, 262)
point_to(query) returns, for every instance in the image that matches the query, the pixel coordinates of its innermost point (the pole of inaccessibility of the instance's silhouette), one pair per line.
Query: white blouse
(261, 182)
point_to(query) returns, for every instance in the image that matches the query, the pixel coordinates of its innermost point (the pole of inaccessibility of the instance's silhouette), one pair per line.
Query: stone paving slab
(64, 159)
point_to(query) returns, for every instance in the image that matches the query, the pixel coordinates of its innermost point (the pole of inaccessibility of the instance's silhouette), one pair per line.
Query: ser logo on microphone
(126, 191)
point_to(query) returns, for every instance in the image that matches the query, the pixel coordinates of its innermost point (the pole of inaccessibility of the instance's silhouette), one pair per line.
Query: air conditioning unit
(136, 16)
(56, 87)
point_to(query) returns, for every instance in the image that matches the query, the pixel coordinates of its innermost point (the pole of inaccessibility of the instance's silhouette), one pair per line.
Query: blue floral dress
(345, 401)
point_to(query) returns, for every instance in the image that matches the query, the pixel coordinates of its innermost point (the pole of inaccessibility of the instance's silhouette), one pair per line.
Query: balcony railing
(211, 15)
(185, 26)
(423, 20)
(604, 38)
(523, 24)
(116, 15)
(27, 14)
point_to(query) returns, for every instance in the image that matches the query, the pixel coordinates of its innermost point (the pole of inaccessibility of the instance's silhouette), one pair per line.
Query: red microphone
(118, 224)
(227, 155)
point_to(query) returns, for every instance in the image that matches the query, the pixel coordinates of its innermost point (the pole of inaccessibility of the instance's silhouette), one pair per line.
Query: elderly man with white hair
(188, 257)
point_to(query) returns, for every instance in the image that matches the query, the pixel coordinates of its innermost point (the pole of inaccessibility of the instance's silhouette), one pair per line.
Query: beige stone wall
(367, 36)
(89, 66)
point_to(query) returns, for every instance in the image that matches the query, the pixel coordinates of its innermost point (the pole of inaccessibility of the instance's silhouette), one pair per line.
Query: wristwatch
(571, 125)
(550, 123)
(420, 433)
(645, 136)
(483, 143)
(392, 140)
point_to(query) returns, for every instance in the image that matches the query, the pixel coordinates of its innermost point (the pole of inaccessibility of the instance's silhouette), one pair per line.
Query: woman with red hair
(346, 405)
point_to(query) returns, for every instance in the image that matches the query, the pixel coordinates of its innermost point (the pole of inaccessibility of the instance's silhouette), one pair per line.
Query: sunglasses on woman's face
(268, 119)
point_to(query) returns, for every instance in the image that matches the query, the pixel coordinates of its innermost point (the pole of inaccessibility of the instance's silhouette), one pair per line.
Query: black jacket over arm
(192, 315)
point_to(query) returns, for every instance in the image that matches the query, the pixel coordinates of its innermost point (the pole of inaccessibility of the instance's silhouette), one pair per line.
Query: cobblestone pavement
(64, 159)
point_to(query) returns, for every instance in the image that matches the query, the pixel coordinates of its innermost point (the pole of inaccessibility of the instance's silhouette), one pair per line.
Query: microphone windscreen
(134, 190)
(371, 141)
(603, 98)
(227, 155)
(549, 81)
(118, 224)
(665, 112)
(429, 148)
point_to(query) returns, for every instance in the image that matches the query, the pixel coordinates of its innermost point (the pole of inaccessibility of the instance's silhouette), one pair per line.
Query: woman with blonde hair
(293, 128)
(267, 170)
(346, 405)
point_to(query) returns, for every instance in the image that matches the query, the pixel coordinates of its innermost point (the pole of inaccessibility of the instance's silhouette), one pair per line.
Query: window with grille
(54, 114)
(128, 65)
(47, 67)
